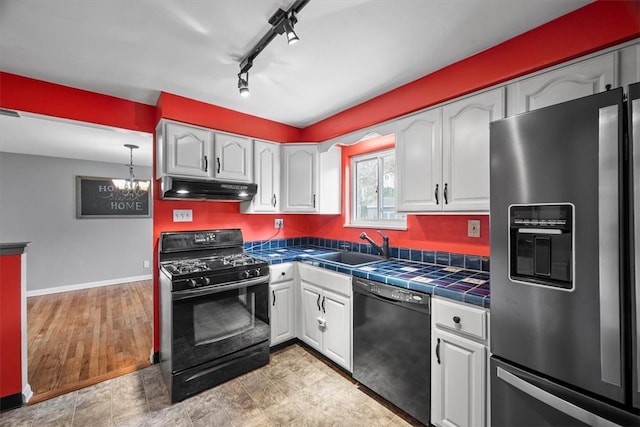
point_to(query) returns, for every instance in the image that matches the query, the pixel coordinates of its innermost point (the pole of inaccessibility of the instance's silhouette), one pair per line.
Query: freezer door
(634, 215)
(567, 155)
(519, 398)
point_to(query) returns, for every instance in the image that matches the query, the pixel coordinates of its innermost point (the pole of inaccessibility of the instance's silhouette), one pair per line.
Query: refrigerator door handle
(554, 401)
(608, 238)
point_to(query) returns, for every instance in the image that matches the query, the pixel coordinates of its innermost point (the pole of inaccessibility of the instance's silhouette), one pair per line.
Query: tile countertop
(455, 283)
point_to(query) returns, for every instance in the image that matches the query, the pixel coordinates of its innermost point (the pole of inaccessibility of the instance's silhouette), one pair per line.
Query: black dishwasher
(392, 345)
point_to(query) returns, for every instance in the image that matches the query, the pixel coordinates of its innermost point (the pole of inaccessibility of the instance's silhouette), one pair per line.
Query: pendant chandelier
(131, 184)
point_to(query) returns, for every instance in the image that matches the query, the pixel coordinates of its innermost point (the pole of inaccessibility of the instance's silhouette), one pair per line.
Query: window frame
(395, 224)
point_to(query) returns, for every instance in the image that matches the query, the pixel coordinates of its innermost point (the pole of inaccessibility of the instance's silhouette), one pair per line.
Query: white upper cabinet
(419, 161)
(192, 151)
(442, 155)
(564, 84)
(233, 158)
(266, 161)
(465, 150)
(188, 150)
(300, 189)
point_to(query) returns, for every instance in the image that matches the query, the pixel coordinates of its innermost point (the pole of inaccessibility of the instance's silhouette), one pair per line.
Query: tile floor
(295, 389)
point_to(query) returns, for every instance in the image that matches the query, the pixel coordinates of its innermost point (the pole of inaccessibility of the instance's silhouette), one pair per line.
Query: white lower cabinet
(282, 307)
(326, 313)
(458, 365)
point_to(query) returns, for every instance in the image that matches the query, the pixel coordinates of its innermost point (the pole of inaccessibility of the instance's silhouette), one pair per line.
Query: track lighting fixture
(282, 22)
(243, 84)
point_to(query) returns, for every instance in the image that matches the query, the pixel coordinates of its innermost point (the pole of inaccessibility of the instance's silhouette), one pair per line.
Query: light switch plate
(474, 228)
(182, 215)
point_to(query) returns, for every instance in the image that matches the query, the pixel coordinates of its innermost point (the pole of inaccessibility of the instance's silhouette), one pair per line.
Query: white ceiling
(349, 50)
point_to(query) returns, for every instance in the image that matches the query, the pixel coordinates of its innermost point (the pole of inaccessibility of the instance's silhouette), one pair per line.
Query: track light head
(243, 84)
(292, 37)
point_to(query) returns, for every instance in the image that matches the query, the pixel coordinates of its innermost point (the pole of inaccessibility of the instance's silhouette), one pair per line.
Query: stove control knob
(192, 283)
(206, 281)
(256, 272)
(244, 274)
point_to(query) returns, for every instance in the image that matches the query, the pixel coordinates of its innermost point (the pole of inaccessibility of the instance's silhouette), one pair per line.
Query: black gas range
(214, 310)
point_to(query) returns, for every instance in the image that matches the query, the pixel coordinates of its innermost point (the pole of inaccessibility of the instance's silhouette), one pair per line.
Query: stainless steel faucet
(384, 250)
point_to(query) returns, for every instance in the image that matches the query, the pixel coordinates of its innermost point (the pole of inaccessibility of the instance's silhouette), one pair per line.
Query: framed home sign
(99, 198)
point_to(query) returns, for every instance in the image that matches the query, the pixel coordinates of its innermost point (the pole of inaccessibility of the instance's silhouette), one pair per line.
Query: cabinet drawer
(460, 317)
(326, 279)
(280, 272)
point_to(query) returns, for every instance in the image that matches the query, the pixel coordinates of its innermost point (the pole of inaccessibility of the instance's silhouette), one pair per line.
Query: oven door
(215, 321)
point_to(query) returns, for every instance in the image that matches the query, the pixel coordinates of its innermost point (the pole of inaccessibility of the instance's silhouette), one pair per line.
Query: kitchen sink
(351, 258)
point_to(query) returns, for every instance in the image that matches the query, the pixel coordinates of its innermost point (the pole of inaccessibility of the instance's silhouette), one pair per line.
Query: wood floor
(79, 338)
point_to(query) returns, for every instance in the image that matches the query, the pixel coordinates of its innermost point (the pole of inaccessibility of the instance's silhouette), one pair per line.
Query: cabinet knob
(456, 319)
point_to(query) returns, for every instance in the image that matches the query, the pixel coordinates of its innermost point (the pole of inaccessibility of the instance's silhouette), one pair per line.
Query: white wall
(38, 205)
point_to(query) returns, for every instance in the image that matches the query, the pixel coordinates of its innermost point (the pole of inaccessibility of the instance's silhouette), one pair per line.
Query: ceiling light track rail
(282, 22)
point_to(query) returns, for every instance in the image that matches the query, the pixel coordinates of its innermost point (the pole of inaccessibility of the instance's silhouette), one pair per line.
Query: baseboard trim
(27, 393)
(11, 401)
(88, 285)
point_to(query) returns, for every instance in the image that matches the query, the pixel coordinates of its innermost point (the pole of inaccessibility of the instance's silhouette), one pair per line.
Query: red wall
(10, 325)
(199, 113)
(35, 96)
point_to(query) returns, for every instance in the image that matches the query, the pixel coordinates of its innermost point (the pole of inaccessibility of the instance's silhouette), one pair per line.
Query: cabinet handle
(314, 200)
(438, 351)
(446, 201)
(456, 319)
(274, 201)
(218, 160)
(206, 163)
(436, 194)
(318, 302)
(274, 297)
(323, 298)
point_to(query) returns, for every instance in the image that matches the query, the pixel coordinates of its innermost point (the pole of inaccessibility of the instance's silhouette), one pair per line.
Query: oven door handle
(208, 290)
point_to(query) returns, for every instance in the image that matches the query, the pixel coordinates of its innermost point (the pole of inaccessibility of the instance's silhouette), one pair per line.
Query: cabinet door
(336, 340)
(458, 381)
(234, 158)
(267, 174)
(419, 162)
(188, 150)
(330, 198)
(300, 185)
(465, 150)
(281, 312)
(563, 84)
(310, 331)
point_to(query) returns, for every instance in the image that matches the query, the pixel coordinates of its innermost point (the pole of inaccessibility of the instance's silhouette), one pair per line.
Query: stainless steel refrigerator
(565, 213)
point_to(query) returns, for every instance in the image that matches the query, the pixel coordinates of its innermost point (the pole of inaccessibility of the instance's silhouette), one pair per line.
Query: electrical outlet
(182, 215)
(278, 223)
(473, 228)
(145, 263)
